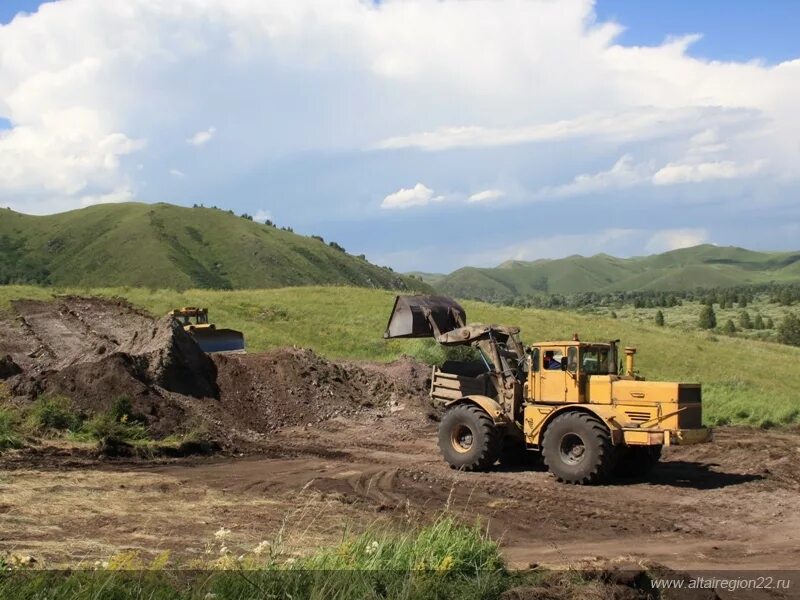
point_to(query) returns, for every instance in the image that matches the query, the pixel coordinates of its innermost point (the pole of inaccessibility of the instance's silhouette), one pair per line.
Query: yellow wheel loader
(566, 402)
(210, 339)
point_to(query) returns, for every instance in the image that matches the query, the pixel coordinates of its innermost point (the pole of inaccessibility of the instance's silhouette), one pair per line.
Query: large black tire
(637, 461)
(577, 449)
(468, 438)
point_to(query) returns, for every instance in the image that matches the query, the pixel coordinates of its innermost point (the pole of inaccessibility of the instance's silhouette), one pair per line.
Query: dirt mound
(293, 386)
(94, 350)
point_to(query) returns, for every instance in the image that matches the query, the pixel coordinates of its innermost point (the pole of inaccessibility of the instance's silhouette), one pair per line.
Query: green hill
(685, 269)
(161, 245)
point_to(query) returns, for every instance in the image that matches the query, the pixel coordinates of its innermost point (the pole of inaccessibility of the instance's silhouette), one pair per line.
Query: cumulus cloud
(81, 112)
(486, 196)
(419, 195)
(674, 239)
(705, 171)
(201, 137)
(624, 173)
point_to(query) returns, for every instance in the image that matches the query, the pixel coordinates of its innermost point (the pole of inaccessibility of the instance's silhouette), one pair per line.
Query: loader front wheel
(577, 449)
(468, 438)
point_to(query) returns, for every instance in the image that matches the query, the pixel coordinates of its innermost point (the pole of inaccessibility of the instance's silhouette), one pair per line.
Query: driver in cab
(549, 362)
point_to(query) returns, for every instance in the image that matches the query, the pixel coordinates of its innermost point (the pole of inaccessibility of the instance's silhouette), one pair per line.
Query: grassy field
(745, 381)
(686, 316)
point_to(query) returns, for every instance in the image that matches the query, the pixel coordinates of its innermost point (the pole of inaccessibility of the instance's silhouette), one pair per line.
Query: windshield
(595, 360)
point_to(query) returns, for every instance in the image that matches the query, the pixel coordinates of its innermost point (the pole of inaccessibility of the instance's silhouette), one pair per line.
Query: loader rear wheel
(468, 438)
(637, 461)
(577, 449)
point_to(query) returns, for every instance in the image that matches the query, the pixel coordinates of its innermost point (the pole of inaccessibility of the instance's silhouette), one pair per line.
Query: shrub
(708, 319)
(9, 420)
(53, 413)
(660, 319)
(729, 327)
(789, 330)
(105, 427)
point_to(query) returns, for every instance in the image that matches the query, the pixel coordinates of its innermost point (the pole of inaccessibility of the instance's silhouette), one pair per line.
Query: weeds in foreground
(9, 437)
(445, 559)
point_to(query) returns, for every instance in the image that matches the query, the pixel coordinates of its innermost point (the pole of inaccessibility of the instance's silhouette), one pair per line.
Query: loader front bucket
(218, 340)
(412, 315)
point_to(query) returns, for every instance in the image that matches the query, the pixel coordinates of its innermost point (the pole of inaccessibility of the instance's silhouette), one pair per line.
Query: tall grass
(9, 429)
(744, 381)
(445, 559)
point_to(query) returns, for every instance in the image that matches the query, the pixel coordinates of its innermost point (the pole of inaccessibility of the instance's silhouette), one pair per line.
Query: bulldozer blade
(412, 315)
(218, 340)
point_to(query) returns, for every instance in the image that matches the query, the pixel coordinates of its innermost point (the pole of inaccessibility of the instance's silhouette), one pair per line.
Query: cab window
(572, 359)
(594, 361)
(535, 360)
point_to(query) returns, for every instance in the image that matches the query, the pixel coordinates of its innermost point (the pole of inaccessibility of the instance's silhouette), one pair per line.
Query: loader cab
(559, 371)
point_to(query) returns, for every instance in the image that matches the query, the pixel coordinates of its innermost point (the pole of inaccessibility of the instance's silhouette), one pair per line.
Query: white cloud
(262, 216)
(705, 171)
(177, 173)
(201, 137)
(419, 195)
(626, 125)
(85, 82)
(624, 173)
(486, 196)
(674, 239)
(121, 195)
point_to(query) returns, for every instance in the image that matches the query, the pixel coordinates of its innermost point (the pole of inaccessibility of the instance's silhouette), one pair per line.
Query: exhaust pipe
(424, 316)
(629, 352)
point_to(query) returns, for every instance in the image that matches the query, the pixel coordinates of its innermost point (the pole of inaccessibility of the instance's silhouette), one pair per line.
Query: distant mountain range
(167, 246)
(701, 266)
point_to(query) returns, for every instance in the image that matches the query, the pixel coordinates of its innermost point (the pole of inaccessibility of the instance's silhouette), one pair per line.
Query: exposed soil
(94, 350)
(343, 444)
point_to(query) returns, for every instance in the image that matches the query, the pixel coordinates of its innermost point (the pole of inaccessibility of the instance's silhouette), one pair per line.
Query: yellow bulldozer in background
(210, 339)
(565, 401)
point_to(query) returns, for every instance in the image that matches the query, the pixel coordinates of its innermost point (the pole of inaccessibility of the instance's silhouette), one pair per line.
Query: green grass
(745, 381)
(445, 559)
(9, 429)
(157, 245)
(52, 414)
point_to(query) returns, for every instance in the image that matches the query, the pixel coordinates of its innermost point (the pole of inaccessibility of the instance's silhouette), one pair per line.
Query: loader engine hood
(420, 316)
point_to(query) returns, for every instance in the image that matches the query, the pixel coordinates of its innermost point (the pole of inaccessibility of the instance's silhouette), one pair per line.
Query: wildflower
(445, 565)
(372, 548)
(261, 548)
(222, 533)
(223, 550)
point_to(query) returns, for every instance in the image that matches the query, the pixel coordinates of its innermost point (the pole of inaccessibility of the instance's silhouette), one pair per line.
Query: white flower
(262, 546)
(222, 533)
(373, 547)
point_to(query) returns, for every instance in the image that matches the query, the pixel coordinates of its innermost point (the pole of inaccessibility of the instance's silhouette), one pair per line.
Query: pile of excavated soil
(294, 386)
(94, 350)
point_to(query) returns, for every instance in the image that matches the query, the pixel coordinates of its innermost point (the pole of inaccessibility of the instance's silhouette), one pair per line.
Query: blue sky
(427, 135)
